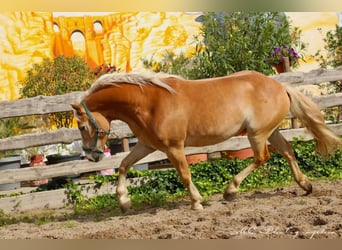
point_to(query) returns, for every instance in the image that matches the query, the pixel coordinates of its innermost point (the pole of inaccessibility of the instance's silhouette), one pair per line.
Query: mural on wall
(25, 38)
(120, 39)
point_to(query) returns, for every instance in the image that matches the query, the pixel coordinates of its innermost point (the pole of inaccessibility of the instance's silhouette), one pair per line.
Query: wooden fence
(44, 105)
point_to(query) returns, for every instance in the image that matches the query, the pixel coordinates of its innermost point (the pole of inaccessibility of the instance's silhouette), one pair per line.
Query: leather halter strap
(98, 131)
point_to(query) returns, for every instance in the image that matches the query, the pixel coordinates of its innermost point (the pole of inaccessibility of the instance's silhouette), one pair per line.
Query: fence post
(125, 144)
(294, 121)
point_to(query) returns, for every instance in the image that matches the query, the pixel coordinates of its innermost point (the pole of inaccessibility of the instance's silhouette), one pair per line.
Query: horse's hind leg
(261, 155)
(285, 148)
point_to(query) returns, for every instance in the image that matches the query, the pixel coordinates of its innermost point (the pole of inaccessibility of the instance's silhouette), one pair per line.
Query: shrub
(332, 57)
(233, 42)
(55, 77)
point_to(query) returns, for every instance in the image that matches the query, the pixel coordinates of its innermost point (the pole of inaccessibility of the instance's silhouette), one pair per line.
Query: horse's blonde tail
(302, 107)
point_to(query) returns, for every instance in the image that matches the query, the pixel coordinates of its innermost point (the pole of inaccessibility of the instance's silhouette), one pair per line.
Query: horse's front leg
(138, 152)
(177, 158)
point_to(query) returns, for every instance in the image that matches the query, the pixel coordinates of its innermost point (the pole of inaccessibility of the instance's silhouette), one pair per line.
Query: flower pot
(60, 181)
(280, 67)
(57, 158)
(38, 161)
(108, 171)
(283, 66)
(12, 162)
(240, 154)
(195, 158)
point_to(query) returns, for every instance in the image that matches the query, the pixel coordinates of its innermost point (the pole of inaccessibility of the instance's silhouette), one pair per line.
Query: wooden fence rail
(83, 166)
(44, 105)
(316, 76)
(119, 129)
(51, 104)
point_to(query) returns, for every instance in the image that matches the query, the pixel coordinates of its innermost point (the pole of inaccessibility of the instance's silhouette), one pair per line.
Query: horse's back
(215, 109)
(241, 90)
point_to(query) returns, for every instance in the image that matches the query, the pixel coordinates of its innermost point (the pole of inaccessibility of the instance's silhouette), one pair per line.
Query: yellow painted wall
(25, 38)
(125, 39)
(314, 26)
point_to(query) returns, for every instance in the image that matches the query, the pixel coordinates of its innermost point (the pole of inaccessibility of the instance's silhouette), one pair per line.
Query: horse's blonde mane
(138, 78)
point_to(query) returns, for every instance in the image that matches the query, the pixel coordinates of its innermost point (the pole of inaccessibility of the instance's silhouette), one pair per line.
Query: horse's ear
(77, 107)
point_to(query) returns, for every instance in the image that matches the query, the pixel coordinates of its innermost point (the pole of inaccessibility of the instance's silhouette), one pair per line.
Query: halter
(98, 131)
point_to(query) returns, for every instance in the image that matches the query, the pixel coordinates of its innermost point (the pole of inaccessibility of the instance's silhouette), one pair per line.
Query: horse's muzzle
(93, 154)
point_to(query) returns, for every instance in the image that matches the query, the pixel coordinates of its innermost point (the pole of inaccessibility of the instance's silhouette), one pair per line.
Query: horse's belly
(208, 139)
(200, 142)
(203, 134)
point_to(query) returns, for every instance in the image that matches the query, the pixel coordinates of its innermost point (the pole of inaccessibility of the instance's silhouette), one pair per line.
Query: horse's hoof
(230, 196)
(306, 185)
(125, 205)
(196, 206)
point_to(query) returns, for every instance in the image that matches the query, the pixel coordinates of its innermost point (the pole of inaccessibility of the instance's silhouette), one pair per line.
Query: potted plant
(195, 158)
(63, 154)
(36, 157)
(278, 56)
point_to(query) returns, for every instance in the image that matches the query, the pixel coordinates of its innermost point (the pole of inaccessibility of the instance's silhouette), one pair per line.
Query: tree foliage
(57, 76)
(231, 42)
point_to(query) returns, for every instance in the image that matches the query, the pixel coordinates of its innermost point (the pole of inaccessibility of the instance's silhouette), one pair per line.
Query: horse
(167, 113)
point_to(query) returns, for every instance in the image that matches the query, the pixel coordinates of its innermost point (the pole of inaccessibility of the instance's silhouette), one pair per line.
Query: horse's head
(94, 129)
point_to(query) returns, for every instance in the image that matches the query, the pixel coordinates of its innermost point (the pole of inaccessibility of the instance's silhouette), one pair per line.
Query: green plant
(33, 151)
(331, 56)
(38, 219)
(10, 127)
(13, 126)
(231, 42)
(74, 194)
(57, 76)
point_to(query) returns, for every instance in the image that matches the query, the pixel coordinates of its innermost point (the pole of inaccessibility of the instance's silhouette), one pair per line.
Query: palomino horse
(167, 113)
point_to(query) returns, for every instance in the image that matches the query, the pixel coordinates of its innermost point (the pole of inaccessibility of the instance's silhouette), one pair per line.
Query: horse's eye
(102, 132)
(81, 128)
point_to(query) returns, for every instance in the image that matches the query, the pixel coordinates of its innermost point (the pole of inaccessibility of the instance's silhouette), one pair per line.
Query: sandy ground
(263, 214)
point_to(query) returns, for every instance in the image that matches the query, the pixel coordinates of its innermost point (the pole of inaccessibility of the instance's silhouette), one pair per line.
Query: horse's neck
(115, 104)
